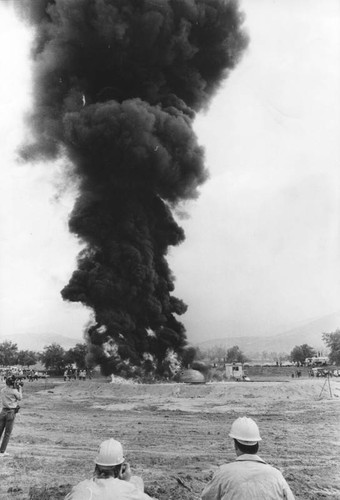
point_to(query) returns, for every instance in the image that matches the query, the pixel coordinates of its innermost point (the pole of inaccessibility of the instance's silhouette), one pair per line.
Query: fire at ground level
(175, 435)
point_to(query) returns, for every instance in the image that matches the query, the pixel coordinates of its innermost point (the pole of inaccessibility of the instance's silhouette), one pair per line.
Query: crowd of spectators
(71, 373)
(21, 373)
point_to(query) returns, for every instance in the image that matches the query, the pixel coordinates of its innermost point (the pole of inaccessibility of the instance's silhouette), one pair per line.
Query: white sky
(262, 251)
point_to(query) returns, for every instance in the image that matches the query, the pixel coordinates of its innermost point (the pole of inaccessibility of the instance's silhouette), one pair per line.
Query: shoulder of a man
(282, 481)
(5, 391)
(82, 491)
(220, 477)
(128, 490)
(106, 489)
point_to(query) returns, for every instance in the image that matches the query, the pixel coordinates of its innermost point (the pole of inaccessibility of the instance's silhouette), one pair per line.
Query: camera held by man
(15, 382)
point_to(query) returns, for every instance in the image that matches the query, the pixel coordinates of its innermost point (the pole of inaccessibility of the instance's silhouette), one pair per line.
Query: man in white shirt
(249, 477)
(10, 397)
(112, 478)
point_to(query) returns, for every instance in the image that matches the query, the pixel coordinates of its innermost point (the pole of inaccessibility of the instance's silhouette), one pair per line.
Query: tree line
(332, 341)
(54, 357)
(297, 355)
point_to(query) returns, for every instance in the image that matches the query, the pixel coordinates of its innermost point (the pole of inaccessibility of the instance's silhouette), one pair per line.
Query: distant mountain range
(37, 342)
(307, 333)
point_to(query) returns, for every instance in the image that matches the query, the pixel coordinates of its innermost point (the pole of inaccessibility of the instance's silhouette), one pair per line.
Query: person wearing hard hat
(112, 479)
(248, 477)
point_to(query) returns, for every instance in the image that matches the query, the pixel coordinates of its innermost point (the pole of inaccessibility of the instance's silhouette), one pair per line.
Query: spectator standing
(11, 394)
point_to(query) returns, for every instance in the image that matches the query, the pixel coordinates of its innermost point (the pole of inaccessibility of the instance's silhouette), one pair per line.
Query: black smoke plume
(117, 84)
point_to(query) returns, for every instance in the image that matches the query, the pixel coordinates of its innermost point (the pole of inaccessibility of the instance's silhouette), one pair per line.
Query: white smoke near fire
(110, 349)
(172, 363)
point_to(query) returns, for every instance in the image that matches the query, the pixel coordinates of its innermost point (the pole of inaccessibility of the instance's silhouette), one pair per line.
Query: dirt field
(174, 435)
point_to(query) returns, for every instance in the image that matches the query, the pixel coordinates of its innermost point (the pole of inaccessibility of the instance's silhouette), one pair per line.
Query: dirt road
(174, 435)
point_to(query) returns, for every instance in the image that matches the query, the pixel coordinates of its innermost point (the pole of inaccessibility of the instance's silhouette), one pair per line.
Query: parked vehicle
(317, 361)
(321, 372)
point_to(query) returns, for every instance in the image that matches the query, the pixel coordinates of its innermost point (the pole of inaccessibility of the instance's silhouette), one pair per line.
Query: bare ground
(175, 435)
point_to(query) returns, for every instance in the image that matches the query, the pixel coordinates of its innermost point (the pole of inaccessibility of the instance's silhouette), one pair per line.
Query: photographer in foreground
(112, 479)
(10, 397)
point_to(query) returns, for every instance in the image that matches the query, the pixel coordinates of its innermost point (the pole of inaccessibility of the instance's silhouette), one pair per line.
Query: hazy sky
(262, 249)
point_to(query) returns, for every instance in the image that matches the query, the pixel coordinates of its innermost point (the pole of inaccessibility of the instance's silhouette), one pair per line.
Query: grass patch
(49, 492)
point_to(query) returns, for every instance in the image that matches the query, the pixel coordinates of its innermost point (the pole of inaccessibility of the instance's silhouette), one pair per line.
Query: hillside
(307, 333)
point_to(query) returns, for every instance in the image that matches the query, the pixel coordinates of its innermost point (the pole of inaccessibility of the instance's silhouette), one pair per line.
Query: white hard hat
(110, 453)
(245, 430)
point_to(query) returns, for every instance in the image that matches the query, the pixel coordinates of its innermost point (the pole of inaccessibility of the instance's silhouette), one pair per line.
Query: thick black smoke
(117, 84)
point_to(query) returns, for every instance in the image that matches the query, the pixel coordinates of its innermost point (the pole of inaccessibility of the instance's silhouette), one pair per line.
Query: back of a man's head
(247, 449)
(246, 435)
(110, 459)
(105, 472)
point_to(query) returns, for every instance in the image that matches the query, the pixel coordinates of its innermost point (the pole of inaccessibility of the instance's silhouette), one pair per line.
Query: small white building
(234, 371)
